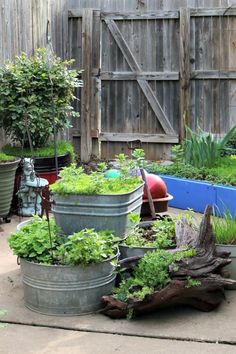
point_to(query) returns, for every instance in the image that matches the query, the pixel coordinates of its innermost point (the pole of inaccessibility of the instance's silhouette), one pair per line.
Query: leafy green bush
(33, 243)
(225, 229)
(63, 147)
(36, 94)
(74, 180)
(6, 158)
(87, 246)
(150, 274)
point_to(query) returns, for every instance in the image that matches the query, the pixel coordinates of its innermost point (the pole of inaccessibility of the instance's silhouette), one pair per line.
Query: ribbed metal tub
(7, 179)
(127, 251)
(66, 290)
(102, 212)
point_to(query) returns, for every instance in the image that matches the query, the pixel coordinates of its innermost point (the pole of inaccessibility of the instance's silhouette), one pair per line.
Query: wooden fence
(150, 67)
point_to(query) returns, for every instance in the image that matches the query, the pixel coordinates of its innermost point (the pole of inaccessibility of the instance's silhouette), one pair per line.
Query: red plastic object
(50, 176)
(156, 185)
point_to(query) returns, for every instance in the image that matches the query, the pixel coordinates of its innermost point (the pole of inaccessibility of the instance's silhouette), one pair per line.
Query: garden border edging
(195, 194)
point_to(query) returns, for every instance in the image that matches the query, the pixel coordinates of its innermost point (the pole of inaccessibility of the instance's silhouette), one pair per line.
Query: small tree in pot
(35, 96)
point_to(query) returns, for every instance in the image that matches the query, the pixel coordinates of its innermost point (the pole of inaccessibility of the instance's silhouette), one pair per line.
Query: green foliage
(87, 246)
(151, 273)
(223, 173)
(36, 94)
(225, 229)
(6, 158)
(75, 181)
(32, 241)
(201, 149)
(63, 147)
(230, 147)
(161, 233)
(190, 282)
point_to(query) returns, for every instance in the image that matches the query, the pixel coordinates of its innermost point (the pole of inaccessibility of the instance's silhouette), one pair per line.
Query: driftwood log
(206, 267)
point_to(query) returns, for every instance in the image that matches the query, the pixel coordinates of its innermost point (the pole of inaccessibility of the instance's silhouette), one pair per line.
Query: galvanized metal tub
(7, 179)
(127, 251)
(102, 212)
(66, 290)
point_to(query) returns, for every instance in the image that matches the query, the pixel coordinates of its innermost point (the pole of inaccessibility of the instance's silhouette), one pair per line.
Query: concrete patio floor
(173, 330)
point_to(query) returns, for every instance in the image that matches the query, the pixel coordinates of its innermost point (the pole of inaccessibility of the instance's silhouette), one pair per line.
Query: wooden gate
(142, 75)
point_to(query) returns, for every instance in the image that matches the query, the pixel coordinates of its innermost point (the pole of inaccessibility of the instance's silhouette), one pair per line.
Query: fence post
(184, 59)
(86, 95)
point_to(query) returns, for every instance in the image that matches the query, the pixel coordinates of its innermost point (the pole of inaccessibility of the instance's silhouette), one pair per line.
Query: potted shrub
(225, 232)
(95, 200)
(148, 236)
(36, 95)
(64, 276)
(8, 166)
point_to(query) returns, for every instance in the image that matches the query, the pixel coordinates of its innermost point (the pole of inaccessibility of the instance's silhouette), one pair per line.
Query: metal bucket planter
(7, 178)
(102, 212)
(231, 268)
(66, 290)
(133, 251)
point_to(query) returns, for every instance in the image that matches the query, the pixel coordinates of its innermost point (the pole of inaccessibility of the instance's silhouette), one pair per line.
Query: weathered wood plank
(143, 84)
(146, 138)
(130, 15)
(184, 55)
(213, 74)
(203, 12)
(86, 98)
(128, 75)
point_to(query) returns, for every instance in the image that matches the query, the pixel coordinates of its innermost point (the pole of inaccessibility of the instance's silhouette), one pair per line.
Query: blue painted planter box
(196, 195)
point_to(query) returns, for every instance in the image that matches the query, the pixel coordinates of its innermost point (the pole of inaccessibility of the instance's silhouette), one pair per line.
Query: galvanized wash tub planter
(66, 290)
(99, 211)
(133, 251)
(7, 179)
(231, 268)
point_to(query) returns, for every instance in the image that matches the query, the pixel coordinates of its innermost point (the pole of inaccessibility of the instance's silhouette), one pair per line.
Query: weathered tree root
(205, 267)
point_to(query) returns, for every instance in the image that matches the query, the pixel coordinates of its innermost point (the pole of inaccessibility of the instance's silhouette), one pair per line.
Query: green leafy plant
(48, 150)
(32, 241)
(74, 180)
(191, 282)
(225, 229)
(223, 173)
(35, 95)
(6, 158)
(202, 149)
(150, 274)
(160, 234)
(87, 246)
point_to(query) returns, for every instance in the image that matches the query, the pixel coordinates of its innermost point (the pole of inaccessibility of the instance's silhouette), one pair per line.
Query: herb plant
(36, 94)
(150, 274)
(87, 246)
(225, 229)
(32, 241)
(74, 180)
(161, 234)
